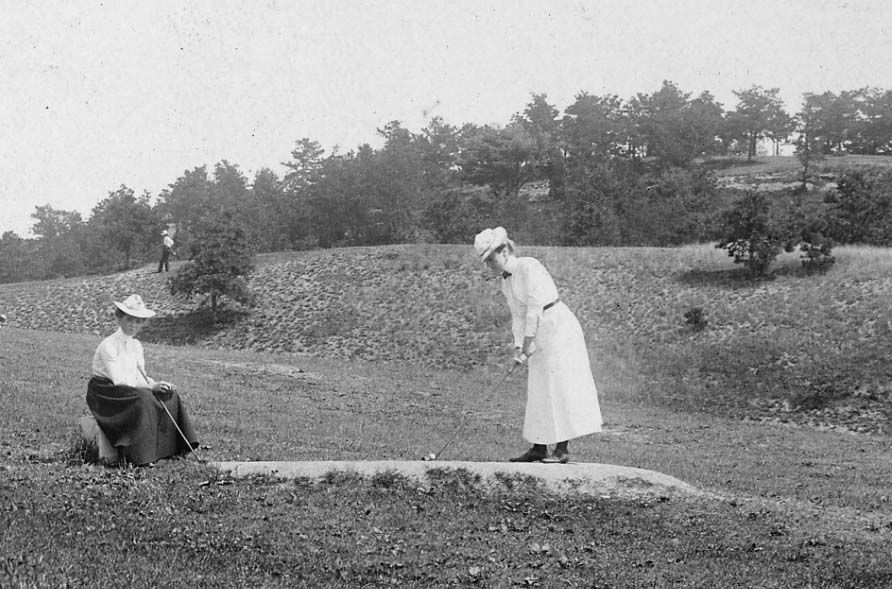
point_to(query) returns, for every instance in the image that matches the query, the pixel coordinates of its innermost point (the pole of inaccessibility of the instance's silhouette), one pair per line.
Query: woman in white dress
(562, 401)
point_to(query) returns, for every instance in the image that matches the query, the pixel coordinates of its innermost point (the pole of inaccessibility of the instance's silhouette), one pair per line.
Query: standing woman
(127, 404)
(562, 401)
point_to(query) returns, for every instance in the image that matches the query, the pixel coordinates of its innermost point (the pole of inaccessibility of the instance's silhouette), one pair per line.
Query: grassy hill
(384, 353)
(796, 348)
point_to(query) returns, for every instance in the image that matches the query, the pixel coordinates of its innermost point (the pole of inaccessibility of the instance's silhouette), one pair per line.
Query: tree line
(605, 171)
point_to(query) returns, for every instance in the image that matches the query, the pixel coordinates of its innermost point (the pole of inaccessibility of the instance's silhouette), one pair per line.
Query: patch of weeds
(390, 479)
(343, 478)
(517, 482)
(453, 480)
(695, 318)
(815, 397)
(81, 451)
(816, 258)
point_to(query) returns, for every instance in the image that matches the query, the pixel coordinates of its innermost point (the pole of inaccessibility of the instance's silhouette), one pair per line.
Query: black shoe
(528, 456)
(557, 457)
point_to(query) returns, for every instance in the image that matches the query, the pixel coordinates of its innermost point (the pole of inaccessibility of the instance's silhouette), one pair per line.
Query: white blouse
(528, 290)
(120, 359)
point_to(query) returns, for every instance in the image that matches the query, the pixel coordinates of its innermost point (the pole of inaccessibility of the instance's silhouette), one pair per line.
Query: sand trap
(584, 478)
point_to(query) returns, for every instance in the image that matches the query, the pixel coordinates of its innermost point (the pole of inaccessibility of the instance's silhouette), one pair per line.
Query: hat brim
(488, 252)
(139, 313)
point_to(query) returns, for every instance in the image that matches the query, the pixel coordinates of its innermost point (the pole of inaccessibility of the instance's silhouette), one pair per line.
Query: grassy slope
(796, 498)
(814, 344)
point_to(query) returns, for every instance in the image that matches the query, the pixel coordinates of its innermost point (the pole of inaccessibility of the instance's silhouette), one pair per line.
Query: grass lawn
(798, 493)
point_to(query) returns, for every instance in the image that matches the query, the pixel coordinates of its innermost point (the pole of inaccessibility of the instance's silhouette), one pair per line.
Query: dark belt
(550, 305)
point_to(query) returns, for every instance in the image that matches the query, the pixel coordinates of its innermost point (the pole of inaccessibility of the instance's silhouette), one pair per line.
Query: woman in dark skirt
(129, 407)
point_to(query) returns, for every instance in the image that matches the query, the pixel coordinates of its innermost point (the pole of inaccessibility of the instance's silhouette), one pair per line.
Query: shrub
(749, 234)
(221, 259)
(861, 208)
(696, 318)
(808, 227)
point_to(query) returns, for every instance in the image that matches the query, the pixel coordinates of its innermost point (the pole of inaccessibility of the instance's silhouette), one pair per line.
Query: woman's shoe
(529, 456)
(557, 457)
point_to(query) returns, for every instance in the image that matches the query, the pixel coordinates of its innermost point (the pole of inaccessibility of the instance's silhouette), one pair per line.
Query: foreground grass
(174, 526)
(790, 506)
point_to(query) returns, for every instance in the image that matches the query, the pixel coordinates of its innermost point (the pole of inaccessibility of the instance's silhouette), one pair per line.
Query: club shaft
(173, 421)
(461, 425)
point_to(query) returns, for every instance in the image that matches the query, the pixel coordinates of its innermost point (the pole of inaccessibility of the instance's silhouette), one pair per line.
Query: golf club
(433, 456)
(194, 450)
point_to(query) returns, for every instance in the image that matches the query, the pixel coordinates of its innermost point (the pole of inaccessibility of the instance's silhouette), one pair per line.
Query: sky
(95, 95)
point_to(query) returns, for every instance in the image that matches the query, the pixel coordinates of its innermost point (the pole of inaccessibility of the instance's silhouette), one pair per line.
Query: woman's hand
(163, 389)
(519, 357)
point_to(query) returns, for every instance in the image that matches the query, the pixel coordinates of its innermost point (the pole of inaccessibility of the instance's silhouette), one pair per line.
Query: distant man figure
(166, 250)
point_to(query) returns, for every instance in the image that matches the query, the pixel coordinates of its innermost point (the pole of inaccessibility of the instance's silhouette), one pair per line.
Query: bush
(808, 226)
(221, 259)
(750, 235)
(861, 208)
(696, 318)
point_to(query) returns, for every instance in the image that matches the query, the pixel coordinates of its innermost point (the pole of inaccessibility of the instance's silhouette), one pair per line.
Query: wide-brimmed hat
(489, 240)
(134, 307)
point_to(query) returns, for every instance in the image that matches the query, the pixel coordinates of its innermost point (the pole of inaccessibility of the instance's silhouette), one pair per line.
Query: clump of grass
(81, 451)
(695, 318)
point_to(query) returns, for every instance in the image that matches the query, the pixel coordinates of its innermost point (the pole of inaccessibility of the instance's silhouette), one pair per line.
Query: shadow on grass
(738, 278)
(190, 327)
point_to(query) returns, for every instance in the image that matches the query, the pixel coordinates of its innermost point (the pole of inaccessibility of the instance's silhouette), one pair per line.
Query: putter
(433, 456)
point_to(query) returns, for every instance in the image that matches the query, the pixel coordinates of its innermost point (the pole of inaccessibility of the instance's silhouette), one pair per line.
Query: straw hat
(488, 240)
(134, 307)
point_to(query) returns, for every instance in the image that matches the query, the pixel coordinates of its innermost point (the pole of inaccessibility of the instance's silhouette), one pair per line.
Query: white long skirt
(562, 401)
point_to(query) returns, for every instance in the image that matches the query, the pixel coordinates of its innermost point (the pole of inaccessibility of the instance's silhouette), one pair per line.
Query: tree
(439, 145)
(750, 236)
(663, 124)
(128, 223)
(395, 177)
(808, 142)
(540, 121)
(592, 129)
(274, 213)
(340, 212)
(185, 202)
(872, 131)
(497, 157)
(17, 257)
(833, 119)
(60, 236)
(305, 165)
(759, 113)
(221, 261)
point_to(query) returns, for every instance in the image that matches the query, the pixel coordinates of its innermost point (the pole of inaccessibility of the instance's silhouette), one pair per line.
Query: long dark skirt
(136, 424)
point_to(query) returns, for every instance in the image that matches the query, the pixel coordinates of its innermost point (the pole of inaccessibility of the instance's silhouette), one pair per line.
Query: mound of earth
(582, 478)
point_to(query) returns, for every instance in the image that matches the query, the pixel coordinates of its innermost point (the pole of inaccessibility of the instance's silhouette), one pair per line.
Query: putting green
(576, 477)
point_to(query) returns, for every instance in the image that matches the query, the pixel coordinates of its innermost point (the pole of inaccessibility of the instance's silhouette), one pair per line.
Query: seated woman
(129, 407)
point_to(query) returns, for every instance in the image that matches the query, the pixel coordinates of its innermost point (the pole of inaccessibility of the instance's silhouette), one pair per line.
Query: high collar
(510, 266)
(120, 333)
